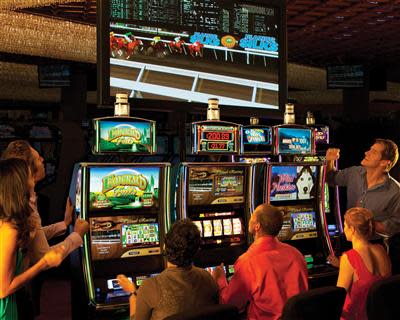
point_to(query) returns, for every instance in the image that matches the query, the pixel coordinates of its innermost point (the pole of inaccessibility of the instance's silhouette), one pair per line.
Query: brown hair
(20, 149)
(390, 152)
(14, 197)
(270, 219)
(362, 220)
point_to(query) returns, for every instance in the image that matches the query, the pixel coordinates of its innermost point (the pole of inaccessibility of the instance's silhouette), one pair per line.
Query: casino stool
(212, 312)
(383, 299)
(319, 303)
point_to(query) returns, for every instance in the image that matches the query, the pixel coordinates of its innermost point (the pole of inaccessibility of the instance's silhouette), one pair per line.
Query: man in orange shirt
(268, 274)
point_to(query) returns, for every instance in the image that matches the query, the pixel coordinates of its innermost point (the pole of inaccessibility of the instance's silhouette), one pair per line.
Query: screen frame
(103, 69)
(292, 202)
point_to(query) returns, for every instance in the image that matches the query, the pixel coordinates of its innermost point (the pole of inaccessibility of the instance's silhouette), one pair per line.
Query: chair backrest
(212, 312)
(383, 299)
(319, 303)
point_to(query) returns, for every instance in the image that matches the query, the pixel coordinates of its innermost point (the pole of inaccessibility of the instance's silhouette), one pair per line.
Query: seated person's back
(181, 286)
(269, 272)
(175, 290)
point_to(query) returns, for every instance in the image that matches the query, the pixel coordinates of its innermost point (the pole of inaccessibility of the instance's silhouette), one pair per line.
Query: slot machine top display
(291, 139)
(129, 135)
(215, 137)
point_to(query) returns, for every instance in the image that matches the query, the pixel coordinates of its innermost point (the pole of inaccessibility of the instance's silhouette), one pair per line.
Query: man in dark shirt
(370, 186)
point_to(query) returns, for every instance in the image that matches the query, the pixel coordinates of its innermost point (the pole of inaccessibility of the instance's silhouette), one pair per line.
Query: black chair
(212, 312)
(319, 303)
(383, 299)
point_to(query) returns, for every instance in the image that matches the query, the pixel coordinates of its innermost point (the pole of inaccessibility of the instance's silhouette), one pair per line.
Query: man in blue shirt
(370, 186)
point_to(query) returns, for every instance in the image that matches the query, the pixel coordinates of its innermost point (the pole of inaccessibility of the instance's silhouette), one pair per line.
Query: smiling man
(370, 186)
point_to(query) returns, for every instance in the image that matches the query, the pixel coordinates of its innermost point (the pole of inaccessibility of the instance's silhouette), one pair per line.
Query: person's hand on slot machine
(69, 210)
(81, 227)
(333, 260)
(126, 284)
(218, 272)
(332, 154)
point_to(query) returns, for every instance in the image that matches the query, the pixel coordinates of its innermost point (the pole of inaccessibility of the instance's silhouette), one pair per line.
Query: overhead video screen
(213, 185)
(123, 188)
(189, 50)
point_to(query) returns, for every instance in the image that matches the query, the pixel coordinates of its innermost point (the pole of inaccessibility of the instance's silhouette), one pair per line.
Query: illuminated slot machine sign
(321, 134)
(299, 222)
(294, 140)
(256, 139)
(216, 138)
(124, 135)
(123, 218)
(209, 188)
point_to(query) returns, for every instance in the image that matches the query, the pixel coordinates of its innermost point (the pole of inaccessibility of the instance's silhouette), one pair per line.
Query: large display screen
(294, 140)
(191, 50)
(124, 136)
(216, 185)
(114, 237)
(123, 188)
(296, 182)
(298, 223)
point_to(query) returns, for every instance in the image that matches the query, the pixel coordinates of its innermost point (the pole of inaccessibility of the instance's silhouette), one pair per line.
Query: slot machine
(127, 207)
(331, 194)
(298, 187)
(216, 197)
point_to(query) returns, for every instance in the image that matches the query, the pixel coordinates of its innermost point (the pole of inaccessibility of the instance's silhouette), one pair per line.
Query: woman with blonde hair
(361, 266)
(16, 184)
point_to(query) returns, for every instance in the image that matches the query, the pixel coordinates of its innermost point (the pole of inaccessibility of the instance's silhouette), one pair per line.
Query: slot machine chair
(212, 312)
(320, 303)
(382, 299)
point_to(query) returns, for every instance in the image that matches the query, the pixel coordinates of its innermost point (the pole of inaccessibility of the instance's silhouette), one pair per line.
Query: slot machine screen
(78, 192)
(290, 183)
(298, 223)
(114, 188)
(216, 185)
(123, 136)
(115, 237)
(294, 141)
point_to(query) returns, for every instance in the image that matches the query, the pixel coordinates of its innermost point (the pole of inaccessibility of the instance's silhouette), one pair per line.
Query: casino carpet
(55, 301)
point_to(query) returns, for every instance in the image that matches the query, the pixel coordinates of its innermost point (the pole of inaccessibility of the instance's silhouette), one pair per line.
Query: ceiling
(319, 32)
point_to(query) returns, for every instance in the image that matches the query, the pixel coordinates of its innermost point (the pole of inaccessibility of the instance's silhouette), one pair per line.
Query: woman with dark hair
(361, 266)
(181, 286)
(16, 184)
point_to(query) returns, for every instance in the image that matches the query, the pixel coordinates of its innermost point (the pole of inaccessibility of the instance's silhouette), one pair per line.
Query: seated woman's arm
(346, 273)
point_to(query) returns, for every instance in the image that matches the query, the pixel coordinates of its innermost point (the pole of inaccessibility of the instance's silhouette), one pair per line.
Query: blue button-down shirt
(383, 199)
